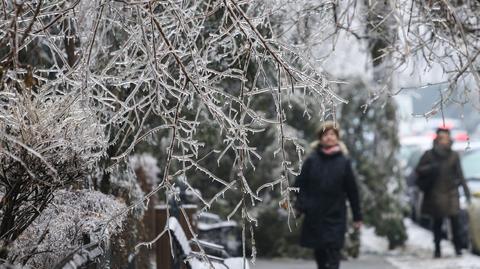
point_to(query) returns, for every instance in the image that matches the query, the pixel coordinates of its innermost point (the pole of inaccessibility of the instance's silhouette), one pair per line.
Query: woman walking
(439, 174)
(326, 182)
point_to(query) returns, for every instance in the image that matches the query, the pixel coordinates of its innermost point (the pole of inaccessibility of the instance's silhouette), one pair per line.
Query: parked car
(471, 169)
(411, 150)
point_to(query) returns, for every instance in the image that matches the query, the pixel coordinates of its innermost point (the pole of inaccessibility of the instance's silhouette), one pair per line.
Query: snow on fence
(177, 239)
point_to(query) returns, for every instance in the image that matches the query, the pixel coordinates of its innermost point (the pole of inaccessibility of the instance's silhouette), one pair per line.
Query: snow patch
(418, 250)
(465, 262)
(372, 243)
(224, 224)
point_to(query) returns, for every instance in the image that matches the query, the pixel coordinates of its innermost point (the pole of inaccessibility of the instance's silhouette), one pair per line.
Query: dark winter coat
(325, 183)
(443, 169)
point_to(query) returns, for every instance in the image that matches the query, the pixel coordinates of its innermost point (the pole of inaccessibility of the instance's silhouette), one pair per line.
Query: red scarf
(331, 150)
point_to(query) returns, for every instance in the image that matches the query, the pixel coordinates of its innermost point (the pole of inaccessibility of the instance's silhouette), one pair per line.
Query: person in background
(439, 174)
(325, 183)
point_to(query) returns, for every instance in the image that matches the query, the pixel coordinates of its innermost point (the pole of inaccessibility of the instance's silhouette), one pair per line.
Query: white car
(471, 170)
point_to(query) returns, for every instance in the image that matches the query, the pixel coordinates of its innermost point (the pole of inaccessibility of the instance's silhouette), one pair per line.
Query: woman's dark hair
(327, 126)
(443, 130)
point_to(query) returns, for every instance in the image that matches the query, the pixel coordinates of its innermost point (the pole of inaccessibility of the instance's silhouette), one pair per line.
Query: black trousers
(327, 258)
(438, 233)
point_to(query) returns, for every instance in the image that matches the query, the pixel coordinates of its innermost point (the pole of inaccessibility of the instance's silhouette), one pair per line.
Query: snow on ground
(465, 262)
(418, 251)
(363, 262)
(372, 243)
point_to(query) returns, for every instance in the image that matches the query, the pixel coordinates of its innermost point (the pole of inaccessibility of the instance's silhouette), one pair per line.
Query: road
(365, 262)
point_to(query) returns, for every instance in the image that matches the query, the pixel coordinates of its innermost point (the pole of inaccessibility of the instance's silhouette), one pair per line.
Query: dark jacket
(441, 198)
(325, 183)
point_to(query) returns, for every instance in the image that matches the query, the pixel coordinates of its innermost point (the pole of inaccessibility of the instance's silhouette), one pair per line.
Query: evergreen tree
(370, 134)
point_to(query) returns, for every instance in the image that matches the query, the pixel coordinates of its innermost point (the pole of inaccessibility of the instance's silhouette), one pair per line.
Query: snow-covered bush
(47, 141)
(71, 219)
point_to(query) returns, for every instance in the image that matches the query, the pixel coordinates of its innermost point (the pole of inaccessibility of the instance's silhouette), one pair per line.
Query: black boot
(437, 236)
(458, 251)
(438, 253)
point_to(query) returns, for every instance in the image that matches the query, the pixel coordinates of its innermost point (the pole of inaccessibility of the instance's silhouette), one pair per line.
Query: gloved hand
(357, 225)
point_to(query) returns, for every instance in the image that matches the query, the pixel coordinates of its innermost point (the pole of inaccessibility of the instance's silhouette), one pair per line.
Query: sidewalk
(364, 262)
(418, 251)
(417, 254)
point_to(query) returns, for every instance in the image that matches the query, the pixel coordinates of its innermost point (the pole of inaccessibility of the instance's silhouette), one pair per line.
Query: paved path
(416, 254)
(365, 262)
(468, 261)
